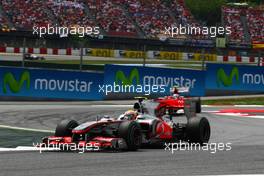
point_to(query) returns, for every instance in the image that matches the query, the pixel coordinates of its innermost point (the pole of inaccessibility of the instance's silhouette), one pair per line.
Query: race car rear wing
(180, 90)
(183, 89)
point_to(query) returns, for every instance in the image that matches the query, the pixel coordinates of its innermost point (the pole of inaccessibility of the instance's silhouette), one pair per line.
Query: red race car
(173, 103)
(131, 130)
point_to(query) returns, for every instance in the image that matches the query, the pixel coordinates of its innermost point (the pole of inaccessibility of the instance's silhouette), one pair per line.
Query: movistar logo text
(121, 77)
(224, 79)
(14, 85)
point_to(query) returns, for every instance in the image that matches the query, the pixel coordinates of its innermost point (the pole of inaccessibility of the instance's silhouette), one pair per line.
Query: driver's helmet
(129, 115)
(174, 90)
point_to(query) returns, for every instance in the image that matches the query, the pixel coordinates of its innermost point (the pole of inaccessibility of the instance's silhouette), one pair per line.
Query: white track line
(245, 106)
(52, 107)
(26, 148)
(210, 111)
(256, 117)
(242, 106)
(243, 115)
(110, 106)
(26, 129)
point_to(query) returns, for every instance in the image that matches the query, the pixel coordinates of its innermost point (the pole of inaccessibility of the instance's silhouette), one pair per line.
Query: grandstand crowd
(255, 20)
(135, 18)
(233, 17)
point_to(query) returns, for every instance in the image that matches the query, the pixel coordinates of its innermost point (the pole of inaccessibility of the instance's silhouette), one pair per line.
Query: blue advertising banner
(56, 84)
(234, 77)
(151, 80)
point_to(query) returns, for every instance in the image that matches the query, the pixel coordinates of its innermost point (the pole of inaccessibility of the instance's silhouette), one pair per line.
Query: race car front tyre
(64, 128)
(130, 131)
(198, 130)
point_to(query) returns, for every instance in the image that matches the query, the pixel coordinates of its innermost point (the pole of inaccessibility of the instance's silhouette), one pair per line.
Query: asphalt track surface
(18, 57)
(150, 62)
(245, 157)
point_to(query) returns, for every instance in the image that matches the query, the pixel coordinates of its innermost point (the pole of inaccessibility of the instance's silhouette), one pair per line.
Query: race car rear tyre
(198, 130)
(64, 128)
(198, 106)
(130, 131)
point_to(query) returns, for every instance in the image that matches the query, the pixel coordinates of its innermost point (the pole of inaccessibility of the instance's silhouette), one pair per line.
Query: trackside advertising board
(234, 77)
(151, 80)
(49, 83)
